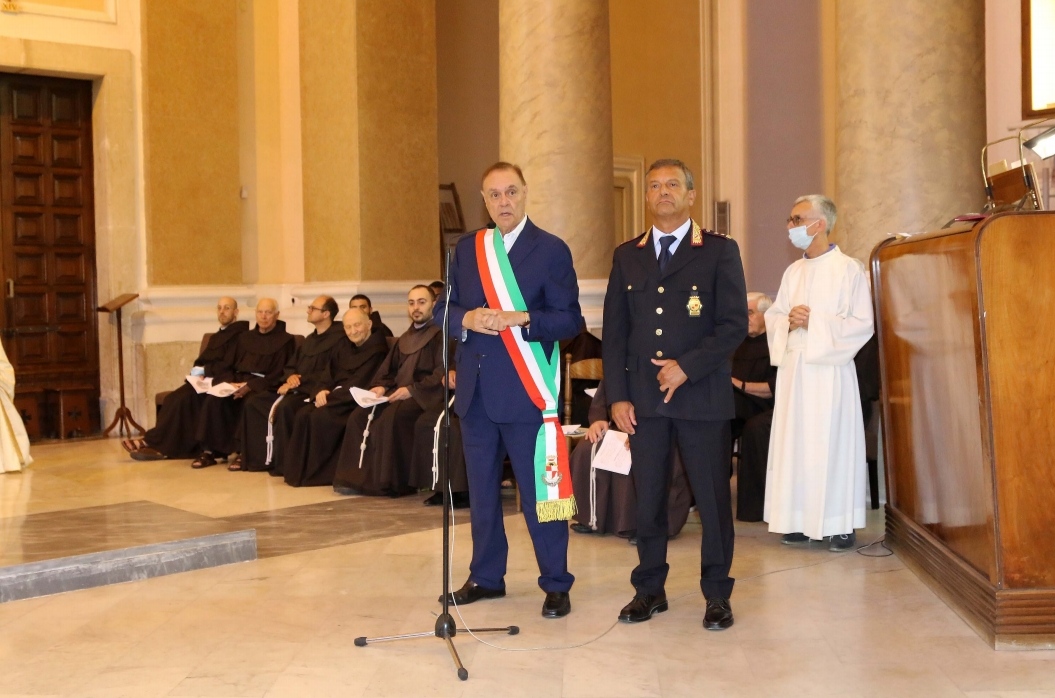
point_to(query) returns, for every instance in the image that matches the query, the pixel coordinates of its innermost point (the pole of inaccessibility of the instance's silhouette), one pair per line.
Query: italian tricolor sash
(554, 499)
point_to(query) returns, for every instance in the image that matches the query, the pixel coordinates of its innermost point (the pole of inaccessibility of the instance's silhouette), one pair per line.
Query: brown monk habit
(316, 361)
(415, 362)
(615, 496)
(259, 360)
(310, 457)
(174, 434)
(424, 440)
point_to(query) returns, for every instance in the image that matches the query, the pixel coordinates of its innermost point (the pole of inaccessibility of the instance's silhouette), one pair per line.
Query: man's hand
(509, 318)
(450, 379)
(243, 390)
(399, 394)
(799, 317)
(481, 320)
(320, 399)
(293, 381)
(378, 391)
(596, 431)
(624, 417)
(284, 388)
(670, 376)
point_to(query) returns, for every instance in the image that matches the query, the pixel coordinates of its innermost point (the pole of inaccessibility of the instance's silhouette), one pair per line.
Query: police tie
(665, 241)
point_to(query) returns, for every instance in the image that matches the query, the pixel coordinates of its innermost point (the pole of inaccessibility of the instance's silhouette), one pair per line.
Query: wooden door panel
(28, 148)
(48, 235)
(69, 229)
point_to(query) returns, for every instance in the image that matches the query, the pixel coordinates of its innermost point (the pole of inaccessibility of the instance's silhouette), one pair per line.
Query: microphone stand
(445, 627)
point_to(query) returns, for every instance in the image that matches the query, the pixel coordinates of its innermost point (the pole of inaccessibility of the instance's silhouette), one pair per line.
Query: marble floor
(808, 622)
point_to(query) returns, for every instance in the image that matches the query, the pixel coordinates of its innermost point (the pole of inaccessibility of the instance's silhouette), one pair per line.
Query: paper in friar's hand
(612, 454)
(200, 384)
(365, 398)
(222, 390)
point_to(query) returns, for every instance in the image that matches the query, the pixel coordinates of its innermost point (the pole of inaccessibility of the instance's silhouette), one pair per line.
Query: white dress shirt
(678, 234)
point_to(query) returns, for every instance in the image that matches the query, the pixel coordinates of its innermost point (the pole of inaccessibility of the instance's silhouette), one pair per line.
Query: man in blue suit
(498, 415)
(674, 313)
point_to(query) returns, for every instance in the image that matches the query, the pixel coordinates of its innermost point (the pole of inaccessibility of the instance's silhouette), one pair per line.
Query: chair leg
(873, 481)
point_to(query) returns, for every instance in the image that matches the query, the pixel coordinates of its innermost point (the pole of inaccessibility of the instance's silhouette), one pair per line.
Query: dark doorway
(47, 227)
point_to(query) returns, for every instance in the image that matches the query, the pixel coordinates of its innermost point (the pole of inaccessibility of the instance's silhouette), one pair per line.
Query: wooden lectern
(967, 348)
(123, 420)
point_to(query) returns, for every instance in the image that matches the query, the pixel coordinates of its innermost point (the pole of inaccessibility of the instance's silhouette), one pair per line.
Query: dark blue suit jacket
(646, 316)
(543, 266)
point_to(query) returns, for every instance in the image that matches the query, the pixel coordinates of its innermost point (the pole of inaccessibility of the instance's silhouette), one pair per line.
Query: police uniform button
(659, 311)
(659, 354)
(659, 333)
(660, 289)
(629, 287)
(693, 288)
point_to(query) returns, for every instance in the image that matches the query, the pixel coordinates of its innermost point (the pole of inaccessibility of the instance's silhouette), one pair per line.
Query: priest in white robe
(14, 442)
(816, 473)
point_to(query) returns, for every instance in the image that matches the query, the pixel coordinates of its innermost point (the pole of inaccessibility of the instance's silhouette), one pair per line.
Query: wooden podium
(967, 348)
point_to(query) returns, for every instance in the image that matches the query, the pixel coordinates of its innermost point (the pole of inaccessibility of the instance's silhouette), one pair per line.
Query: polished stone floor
(808, 622)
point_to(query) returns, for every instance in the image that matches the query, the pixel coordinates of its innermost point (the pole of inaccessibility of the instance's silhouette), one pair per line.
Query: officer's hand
(481, 320)
(670, 376)
(624, 417)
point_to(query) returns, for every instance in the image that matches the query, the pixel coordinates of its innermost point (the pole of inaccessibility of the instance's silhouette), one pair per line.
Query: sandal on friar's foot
(146, 453)
(130, 445)
(235, 465)
(203, 461)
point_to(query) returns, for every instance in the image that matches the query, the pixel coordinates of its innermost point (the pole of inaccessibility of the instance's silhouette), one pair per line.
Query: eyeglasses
(799, 220)
(313, 309)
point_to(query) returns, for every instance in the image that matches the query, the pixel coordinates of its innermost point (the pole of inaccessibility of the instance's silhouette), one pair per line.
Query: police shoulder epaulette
(643, 240)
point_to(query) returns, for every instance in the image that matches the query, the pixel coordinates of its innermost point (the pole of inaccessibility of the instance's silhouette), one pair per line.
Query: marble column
(555, 120)
(911, 116)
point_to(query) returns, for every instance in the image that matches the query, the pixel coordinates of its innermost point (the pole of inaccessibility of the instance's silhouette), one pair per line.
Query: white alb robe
(817, 476)
(14, 442)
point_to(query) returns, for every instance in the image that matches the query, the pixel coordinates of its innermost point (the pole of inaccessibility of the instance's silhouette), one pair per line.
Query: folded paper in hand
(612, 454)
(365, 398)
(201, 384)
(590, 391)
(223, 390)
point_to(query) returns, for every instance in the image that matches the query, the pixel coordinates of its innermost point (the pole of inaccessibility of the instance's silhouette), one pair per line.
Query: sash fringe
(556, 509)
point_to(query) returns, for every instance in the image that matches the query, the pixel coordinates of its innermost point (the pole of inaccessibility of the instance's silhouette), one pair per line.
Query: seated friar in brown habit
(378, 442)
(177, 423)
(267, 419)
(310, 458)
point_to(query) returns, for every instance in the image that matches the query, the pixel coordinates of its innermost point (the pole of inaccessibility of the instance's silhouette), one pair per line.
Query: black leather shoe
(582, 528)
(556, 605)
(471, 592)
(435, 500)
(642, 607)
(346, 491)
(719, 614)
(460, 500)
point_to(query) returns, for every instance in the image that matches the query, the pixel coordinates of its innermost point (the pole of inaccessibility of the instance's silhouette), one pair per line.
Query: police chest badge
(694, 305)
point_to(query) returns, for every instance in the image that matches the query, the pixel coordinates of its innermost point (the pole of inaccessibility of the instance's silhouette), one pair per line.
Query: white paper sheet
(223, 390)
(365, 398)
(590, 391)
(201, 384)
(571, 429)
(612, 454)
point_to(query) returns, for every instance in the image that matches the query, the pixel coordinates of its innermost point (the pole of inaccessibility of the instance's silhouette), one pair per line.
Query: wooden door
(47, 223)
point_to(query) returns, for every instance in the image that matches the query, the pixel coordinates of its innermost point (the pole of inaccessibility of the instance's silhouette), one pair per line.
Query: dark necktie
(665, 241)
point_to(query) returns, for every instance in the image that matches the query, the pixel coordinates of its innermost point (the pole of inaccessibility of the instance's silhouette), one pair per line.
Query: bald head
(226, 311)
(357, 325)
(266, 314)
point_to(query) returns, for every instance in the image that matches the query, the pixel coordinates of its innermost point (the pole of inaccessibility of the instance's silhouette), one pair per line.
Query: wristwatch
(527, 323)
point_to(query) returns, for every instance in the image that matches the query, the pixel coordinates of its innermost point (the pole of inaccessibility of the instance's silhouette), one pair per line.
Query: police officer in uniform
(674, 313)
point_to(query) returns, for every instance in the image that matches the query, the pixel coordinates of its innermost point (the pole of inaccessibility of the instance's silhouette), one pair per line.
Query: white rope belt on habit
(593, 486)
(271, 430)
(436, 447)
(366, 433)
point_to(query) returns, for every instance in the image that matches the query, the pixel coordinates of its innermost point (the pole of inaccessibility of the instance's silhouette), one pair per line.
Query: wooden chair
(587, 369)
(159, 398)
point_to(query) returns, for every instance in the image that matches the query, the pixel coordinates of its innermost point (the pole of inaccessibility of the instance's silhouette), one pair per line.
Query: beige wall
(398, 164)
(656, 84)
(467, 95)
(190, 84)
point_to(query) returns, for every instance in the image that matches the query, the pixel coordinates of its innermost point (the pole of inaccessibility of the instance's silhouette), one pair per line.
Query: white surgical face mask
(799, 237)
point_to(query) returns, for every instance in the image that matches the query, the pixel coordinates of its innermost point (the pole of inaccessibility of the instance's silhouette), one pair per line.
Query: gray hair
(823, 205)
(672, 162)
(764, 301)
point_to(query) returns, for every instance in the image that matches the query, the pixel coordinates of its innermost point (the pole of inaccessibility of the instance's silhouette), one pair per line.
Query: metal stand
(445, 627)
(123, 419)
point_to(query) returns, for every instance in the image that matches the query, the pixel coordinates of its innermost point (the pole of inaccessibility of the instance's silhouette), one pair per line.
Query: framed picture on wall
(1038, 58)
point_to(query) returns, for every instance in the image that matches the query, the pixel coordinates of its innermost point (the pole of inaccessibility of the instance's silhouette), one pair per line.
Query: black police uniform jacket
(694, 312)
